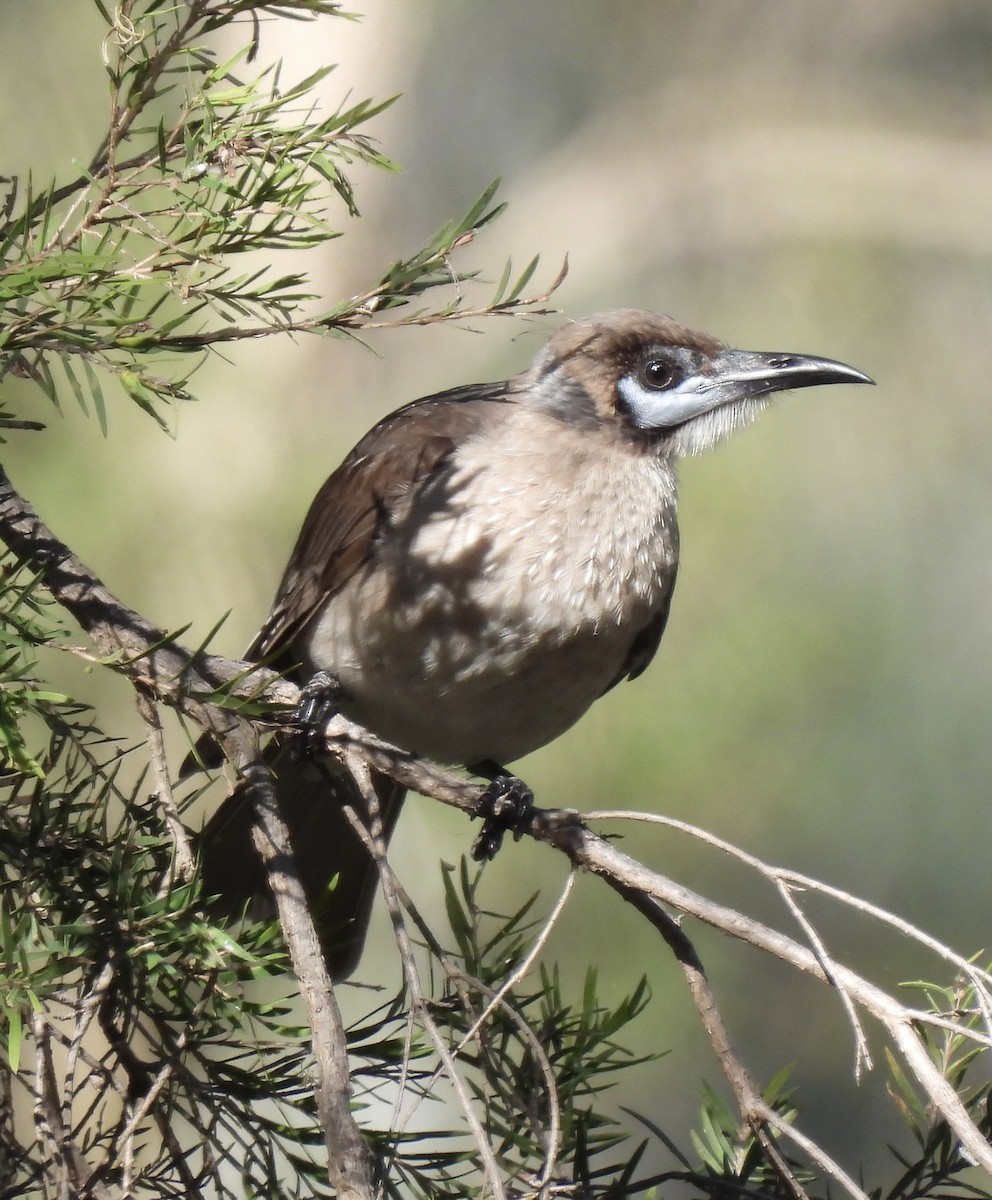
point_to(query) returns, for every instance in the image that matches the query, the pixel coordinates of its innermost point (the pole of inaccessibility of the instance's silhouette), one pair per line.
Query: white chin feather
(717, 425)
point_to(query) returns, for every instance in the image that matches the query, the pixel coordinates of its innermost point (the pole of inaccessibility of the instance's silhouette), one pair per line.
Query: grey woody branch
(161, 669)
(157, 664)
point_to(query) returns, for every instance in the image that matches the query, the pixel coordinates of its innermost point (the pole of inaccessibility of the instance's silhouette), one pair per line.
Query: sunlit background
(789, 175)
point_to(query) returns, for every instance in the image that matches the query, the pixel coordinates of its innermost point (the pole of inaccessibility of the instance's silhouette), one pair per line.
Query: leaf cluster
(122, 1008)
(940, 1168)
(150, 1029)
(163, 248)
(537, 1066)
(25, 618)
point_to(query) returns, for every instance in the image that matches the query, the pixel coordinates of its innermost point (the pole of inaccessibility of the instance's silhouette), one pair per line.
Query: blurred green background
(787, 174)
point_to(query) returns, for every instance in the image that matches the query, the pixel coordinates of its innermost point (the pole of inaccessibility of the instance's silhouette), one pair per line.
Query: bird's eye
(658, 374)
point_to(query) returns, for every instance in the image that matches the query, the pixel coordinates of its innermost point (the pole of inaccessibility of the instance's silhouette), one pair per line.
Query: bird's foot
(505, 806)
(319, 698)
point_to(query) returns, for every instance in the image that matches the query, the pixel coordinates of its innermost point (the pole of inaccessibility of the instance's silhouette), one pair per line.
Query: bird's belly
(485, 627)
(463, 698)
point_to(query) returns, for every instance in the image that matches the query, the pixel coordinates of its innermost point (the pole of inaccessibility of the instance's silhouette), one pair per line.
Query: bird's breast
(503, 595)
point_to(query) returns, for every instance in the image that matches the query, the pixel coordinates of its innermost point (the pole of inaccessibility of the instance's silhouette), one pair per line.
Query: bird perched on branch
(484, 565)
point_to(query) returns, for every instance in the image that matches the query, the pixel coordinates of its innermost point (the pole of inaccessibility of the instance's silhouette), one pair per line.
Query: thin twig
(157, 662)
(498, 1000)
(525, 963)
(813, 1150)
(348, 1162)
(746, 1094)
(85, 1012)
(492, 1178)
(464, 982)
(165, 1072)
(797, 879)
(786, 881)
(862, 1055)
(630, 878)
(47, 1111)
(184, 859)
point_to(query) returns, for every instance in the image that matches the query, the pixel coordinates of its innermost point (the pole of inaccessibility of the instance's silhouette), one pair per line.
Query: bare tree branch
(359, 771)
(157, 664)
(184, 862)
(347, 1155)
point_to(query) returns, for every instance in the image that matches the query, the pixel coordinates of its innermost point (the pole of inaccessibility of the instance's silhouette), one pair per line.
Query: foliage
(147, 1051)
(941, 1169)
(161, 250)
(169, 1057)
(149, 1033)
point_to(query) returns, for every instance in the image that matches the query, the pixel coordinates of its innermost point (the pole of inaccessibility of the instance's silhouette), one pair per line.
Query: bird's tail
(326, 849)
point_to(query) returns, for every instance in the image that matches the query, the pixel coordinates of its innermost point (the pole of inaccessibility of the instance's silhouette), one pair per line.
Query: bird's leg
(319, 698)
(505, 806)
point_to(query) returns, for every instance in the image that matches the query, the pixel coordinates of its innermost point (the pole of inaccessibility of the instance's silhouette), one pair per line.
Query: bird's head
(663, 384)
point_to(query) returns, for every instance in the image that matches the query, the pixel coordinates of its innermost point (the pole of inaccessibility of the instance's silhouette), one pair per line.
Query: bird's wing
(645, 644)
(339, 534)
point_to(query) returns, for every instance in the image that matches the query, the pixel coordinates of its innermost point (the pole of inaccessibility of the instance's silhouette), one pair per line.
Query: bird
(482, 567)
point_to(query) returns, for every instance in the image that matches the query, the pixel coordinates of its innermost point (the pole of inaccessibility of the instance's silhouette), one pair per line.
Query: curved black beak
(732, 376)
(755, 373)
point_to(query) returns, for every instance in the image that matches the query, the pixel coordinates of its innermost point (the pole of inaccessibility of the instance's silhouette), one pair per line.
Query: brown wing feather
(347, 514)
(338, 535)
(645, 644)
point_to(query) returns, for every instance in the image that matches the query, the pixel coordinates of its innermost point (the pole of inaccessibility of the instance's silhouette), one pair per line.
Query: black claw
(318, 702)
(505, 806)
